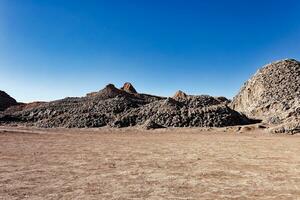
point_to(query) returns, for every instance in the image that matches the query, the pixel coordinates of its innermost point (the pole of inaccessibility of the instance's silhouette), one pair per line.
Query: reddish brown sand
(160, 164)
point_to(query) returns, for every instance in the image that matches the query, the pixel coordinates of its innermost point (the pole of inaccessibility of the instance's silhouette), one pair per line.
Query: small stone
(149, 124)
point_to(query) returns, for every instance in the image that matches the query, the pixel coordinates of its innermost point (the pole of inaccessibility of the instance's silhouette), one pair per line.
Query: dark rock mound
(197, 111)
(78, 112)
(6, 101)
(110, 91)
(196, 101)
(118, 108)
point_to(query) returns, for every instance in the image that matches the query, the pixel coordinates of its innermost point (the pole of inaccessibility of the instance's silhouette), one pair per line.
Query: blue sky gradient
(50, 49)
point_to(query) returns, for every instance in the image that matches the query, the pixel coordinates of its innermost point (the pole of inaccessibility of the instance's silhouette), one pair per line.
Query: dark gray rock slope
(6, 101)
(125, 107)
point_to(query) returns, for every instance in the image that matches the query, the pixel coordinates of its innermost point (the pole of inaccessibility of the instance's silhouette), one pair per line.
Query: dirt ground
(158, 164)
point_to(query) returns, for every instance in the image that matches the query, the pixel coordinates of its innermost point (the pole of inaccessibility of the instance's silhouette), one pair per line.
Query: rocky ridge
(123, 107)
(271, 95)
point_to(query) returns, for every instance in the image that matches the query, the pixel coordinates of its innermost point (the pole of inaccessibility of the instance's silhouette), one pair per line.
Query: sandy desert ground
(156, 164)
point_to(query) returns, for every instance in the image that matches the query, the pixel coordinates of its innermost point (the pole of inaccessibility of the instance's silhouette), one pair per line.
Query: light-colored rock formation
(272, 94)
(180, 95)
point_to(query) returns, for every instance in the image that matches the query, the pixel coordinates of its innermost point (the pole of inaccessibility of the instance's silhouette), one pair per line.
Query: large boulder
(272, 94)
(149, 124)
(6, 101)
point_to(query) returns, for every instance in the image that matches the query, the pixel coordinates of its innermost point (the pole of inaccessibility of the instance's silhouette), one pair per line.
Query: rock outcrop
(128, 87)
(110, 91)
(273, 95)
(180, 95)
(149, 124)
(6, 101)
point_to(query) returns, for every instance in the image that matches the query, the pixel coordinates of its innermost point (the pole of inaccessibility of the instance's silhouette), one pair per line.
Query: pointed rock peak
(109, 91)
(110, 86)
(180, 95)
(4, 94)
(6, 100)
(128, 87)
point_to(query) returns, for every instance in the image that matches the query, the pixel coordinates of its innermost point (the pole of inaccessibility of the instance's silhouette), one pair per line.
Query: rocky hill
(125, 107)
(6, 101)
(273, 95)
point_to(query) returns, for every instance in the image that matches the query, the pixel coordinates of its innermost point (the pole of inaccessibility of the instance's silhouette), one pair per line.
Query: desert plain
(132, 163)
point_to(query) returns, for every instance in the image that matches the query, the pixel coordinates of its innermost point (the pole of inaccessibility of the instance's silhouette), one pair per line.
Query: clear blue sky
(50, 49)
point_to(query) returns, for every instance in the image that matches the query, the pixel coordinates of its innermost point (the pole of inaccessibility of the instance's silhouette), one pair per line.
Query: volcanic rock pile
(125, 107)
(273, 95)
(193, 111)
